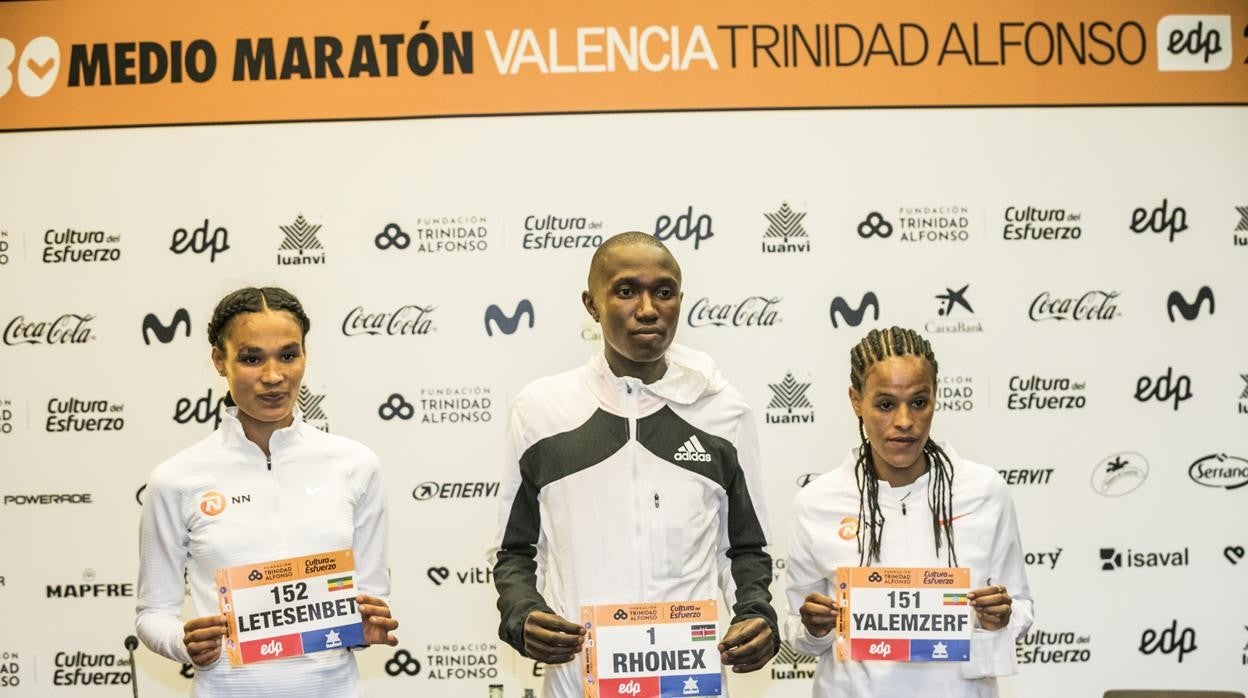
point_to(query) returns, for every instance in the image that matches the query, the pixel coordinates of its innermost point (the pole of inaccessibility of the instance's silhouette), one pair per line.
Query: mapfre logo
(212, 503)
(1194, 42)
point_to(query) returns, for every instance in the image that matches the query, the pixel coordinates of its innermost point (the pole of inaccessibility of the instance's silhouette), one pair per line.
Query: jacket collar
(690, 375)
(232, 433)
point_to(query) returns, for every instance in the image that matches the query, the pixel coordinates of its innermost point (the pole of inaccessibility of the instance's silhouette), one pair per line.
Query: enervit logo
(1194, 42)
(165, 333)
(684, 226)
(1166, 388)
(1119, 474)
(785, 225)
(754, 311)
(1026, 476)
(199, 240)
(853, 316)
(1189, 311)
(1092, 305)
(874, 224)
(212, 503)
(69, 328)
(508, 324)
(454, 490)
(402, 663)
(1169, 640)
(300, 237)
(1220, 471)
(789, 404)
(1160, 220)
(396, 406)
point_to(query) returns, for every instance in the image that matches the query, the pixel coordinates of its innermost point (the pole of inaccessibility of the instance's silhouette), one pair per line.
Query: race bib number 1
(285, 608)
(903, 615)
(651, 650)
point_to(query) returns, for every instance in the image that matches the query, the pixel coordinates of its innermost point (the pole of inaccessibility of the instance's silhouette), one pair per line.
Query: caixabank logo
(954, 313)
(752, 311)
(924, 223)
(1053, 647)
(71, 415)
(789, 403)
(1025, 223)
(436, 235)
(300, 244)
(785, 232)
(467, 404)
(548, 231)
(67, 328)
(70, 246)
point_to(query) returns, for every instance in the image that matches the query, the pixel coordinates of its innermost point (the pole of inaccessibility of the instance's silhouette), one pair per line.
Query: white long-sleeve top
(317, 492)
(986, 539)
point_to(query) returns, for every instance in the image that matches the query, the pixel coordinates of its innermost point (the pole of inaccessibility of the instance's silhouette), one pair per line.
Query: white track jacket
(986, 540)
(321, 492)
(619, 492)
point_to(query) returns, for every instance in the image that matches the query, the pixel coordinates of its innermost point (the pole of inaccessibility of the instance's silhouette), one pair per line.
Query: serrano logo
(853, 316)
(165, 333)
(212, 503)
(508, 324)
(849, 531)
(1189, 311)
(1220, 471)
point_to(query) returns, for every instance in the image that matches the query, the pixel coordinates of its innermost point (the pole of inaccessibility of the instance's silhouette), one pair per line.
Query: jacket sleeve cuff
(992, 654)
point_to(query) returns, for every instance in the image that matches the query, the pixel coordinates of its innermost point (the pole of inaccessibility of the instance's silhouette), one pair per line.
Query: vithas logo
(692, 450)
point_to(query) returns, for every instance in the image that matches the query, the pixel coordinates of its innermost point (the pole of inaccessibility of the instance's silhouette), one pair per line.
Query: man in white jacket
(632, 479)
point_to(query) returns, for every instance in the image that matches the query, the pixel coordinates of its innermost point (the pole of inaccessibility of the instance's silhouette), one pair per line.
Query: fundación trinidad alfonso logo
(785, 225)
(212, 503)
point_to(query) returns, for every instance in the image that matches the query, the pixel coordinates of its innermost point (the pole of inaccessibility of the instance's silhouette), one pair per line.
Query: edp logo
(1194, 42)
(684, 226)
(1160, 220)
(199, 240)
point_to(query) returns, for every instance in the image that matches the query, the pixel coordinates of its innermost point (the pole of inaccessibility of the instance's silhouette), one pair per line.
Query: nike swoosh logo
(313, 491)
(951, 519)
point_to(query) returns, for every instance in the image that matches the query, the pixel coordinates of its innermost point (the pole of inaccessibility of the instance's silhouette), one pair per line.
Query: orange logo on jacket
(849, 528)
(212, 503)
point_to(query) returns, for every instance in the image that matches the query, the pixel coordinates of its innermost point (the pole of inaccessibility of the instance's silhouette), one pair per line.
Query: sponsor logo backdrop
(1080, 278)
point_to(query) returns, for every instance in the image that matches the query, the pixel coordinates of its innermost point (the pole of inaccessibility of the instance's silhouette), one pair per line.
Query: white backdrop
(622, 172)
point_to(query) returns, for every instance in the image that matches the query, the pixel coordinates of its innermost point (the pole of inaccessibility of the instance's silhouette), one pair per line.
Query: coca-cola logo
(755, 311)
(407, 320)
(1093, 305)
(70, 328)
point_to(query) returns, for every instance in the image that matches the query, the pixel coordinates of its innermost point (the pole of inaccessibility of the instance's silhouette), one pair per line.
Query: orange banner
(66, 64)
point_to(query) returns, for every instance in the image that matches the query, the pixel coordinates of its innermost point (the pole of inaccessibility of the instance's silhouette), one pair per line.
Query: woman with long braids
(902, 500)
(263, 486)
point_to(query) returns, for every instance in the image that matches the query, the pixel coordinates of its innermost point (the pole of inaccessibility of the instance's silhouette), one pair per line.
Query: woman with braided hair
(902, 500)
(264, 486)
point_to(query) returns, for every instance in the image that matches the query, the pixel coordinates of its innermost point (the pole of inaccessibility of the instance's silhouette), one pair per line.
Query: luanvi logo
(785, 225)
(791, 664)
(1160, 220)
(684, 226)
(300, 237)
(508, 324)
(1243, 397)
(789, 404)
(310, 404)
(1220, 471)
(1119, 474)
(1169, 640)
(199, 240)
(1194, 42)
(165, 333)
(1236, 240)
(853, 316)
(1189, 311)
(70, 328)
(1165, 388)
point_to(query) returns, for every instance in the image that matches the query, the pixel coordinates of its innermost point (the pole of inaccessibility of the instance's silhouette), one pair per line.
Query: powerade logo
(1220, 471)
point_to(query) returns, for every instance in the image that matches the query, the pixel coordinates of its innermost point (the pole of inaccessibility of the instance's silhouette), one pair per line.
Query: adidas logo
(692, 449)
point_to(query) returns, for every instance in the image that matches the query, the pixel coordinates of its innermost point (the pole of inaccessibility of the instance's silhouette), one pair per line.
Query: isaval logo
(309, 404)
(1165, 388)
(1119, 474)
(754, 311)
(1194, 42)
(684, 227)
(165, 333)
(300, 237)
(1169, 640)
(789, 404)
(1219, 471)
(1031, 223)
(69, 245)
(437, 235)
(70, 328)
(953, 301)
(852, 316)
(508, 324)
(785, 225)
(1112, 559)
(1189, 311)
(199, 240)
(407, 321)
(71, 415)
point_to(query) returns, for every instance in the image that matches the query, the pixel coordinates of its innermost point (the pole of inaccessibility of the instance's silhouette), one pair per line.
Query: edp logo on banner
(1194, 42)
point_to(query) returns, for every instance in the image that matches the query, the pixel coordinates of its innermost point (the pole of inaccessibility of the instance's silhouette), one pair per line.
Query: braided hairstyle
(253, 300)
(877, 346)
